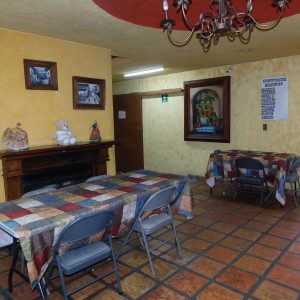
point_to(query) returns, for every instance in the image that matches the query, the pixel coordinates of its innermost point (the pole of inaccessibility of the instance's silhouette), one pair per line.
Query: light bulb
(165, 5)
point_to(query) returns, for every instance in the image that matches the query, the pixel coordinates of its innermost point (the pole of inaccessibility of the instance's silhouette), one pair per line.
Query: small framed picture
(40, 75)
(88, 93)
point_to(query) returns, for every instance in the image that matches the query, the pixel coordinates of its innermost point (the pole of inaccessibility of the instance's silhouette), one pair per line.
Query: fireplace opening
(56, 177)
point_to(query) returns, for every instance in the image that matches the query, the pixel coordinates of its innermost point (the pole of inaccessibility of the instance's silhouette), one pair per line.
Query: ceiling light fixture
(223, 19)
(144, 72)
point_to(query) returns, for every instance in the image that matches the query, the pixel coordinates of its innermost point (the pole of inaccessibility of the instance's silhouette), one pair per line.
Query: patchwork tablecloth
(221, 164)
(38, 220)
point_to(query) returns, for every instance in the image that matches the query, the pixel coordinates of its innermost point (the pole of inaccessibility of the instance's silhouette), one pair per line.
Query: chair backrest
(39, 191)
(85, 227)
(295, 164)
(97, 177)
(249, 164)
(160, 199)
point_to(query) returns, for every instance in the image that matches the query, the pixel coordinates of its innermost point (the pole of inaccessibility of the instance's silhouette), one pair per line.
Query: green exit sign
(164, 98)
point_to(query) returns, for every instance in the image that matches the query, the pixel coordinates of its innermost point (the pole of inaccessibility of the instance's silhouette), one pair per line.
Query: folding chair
(159, 201)
(73, 252)
(250, 172)
(292, 178)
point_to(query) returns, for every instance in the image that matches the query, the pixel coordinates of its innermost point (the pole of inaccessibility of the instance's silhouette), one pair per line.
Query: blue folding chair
(79, 254)
(144, 227)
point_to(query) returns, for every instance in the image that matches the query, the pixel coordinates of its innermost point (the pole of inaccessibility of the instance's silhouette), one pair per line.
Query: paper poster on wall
(274, 98)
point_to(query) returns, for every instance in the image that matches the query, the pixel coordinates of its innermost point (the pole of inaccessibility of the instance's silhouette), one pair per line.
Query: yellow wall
(164, 147)
(38, 110)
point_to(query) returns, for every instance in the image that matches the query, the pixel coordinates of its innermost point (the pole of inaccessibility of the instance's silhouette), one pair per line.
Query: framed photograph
(88, 93)
(40, 75)
(207, 110)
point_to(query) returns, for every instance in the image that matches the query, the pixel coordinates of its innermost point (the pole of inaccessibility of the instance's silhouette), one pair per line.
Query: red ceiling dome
(149, 13)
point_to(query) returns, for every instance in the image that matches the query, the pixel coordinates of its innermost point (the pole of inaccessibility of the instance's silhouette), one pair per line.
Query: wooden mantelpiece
(44, 161)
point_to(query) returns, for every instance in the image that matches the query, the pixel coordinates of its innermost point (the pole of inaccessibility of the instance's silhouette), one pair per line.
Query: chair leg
(148, 253)
(125, 241)
(62, 281)
(176, 238)
(294, 191)
(261, 196)
(115, 266)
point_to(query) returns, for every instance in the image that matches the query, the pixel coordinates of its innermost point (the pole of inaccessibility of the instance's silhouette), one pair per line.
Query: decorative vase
(95, 134)
(15, 138)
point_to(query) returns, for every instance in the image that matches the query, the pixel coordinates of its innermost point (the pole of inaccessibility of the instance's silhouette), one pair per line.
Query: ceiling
(130, 28)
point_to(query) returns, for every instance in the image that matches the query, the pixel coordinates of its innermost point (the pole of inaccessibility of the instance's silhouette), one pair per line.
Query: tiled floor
(231, 250)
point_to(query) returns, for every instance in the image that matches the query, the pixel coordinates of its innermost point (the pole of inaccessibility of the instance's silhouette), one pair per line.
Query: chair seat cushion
(81, 258)
(250, 180)
(154, 223)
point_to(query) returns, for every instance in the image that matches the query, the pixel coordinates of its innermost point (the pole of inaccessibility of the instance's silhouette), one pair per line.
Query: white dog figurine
(63, 135)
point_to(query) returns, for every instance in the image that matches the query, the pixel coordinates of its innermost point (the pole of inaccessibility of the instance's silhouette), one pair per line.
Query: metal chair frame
(253, 180)
(292, 178)
(160, 200)
(84, 231)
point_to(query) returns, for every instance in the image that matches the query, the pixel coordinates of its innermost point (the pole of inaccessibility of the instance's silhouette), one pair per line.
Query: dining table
(221, 164)
(36, 221)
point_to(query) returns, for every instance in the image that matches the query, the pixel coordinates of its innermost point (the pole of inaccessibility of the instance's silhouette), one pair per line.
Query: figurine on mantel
(95, 134)
(15, 138)
(63, 135)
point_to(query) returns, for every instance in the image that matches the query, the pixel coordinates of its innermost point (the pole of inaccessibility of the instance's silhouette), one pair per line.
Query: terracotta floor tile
(223, 227)
(252, 264)
(268, 290)
(282, 232)
(123, 271)
(247, 234)
(273, 241)
(167, 235)
(108, 294)
(238, 279)
(264, 252)
(189, 228)
(289, 225)
(295, 248)
(248, 214)
(196, 245)
(235, 243)
(136, 284)
(221, 253)
(174, 257)
(210, 235)
(163, 293)
(205, 222)
(217, 292)
(286, 276)
(266, 219)
(206, 266)
(291, 260)
(198, 211)
(235, 220)
(186, 282)
(161, 267)
(134, 258)
(275, 212)
(258, 226)
(293, 216)
(23, 291)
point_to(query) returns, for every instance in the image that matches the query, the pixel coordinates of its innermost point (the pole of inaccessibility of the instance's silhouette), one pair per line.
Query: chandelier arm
(267, 26)
(182, 42)
(188, 22)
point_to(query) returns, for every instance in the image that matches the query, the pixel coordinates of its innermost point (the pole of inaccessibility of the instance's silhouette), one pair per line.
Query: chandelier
(222, 20)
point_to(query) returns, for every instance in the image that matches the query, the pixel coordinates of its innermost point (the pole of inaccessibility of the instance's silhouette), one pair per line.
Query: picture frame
(207, 110)
(40, 75)
(88, 93)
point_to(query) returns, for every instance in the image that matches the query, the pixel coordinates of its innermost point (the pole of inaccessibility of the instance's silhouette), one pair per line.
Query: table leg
(13, 264)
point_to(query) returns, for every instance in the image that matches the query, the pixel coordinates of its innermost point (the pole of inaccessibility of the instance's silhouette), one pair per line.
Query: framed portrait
(207, 110)
(40, 75)
(88, 93)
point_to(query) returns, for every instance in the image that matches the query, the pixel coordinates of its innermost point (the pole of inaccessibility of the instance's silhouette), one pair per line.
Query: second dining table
(37, 221)
(221, 164)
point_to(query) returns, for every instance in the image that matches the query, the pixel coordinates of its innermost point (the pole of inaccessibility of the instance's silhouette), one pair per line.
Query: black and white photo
(88, 93)
(40, 75)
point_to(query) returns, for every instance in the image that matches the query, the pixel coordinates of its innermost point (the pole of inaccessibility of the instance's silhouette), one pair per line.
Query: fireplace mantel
(41, 162)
